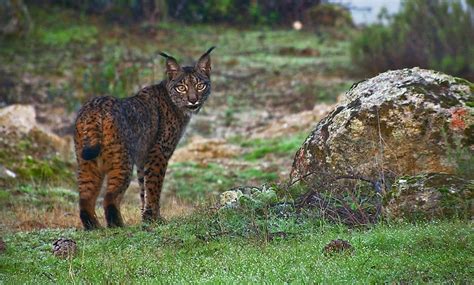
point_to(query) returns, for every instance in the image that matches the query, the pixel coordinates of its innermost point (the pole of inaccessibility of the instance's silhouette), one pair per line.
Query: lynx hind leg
(89, 180)
(118, 180)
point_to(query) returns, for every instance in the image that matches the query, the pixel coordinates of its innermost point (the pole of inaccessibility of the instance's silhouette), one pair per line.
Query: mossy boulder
(401, 122)
(428, 196)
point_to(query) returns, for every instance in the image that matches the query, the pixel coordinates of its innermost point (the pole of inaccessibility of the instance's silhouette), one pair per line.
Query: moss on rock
(428, 196)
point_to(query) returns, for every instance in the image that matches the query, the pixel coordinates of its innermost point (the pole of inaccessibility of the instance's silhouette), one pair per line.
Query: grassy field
(261, 77)
(187, 251)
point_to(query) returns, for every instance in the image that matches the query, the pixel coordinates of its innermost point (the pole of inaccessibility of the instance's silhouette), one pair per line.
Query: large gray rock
(401, 122)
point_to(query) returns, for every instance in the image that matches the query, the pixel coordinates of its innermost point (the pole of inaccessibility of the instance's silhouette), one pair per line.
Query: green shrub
(431, 34)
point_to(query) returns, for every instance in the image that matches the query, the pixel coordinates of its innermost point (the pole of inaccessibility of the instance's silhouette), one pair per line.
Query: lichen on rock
(401, 122)
(428, 196)
(404, 123)
(248, 196)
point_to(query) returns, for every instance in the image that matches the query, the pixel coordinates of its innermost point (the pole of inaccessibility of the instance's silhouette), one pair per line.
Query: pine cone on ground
(338, 246)
(64, 248)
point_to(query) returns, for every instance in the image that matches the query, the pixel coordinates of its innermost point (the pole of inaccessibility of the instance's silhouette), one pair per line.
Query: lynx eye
(201, 86)
(181, 88)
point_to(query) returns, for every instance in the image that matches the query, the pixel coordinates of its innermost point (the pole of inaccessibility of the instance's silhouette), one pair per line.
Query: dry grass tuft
(24, 218)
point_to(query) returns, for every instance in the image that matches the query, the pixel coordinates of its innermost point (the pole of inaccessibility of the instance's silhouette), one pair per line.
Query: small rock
(248, 196)
(6, 173)
(229, 198)
(21, 118)
(338, 246)
(64, 248)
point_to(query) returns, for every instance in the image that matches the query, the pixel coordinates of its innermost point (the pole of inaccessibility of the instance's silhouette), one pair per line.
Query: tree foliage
(434, 34)
(198, 11)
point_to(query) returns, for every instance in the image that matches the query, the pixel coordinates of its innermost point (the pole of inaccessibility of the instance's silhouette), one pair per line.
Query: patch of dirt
(292, 124)
(202, 150)
(299, 52)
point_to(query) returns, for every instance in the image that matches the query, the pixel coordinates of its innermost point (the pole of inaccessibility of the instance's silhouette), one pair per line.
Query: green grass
(62, 37)
(193, 181)
(184, 252)
(259, 148)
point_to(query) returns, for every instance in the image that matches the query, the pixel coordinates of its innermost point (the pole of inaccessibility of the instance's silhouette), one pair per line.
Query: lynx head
(189, 86)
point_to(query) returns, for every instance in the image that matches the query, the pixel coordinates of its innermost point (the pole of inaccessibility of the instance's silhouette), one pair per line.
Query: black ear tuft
(172, 66)
(208, 51)
(204, 62)
(164, 55)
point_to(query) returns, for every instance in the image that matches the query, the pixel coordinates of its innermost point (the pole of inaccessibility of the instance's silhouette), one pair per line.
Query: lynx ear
(204, 63)
(172, 66)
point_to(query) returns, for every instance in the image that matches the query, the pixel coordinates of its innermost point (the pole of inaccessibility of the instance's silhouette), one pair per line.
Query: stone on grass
(229, 198)
(248, 196)
(407, 122)
(64, 248)
(401, 122)
(338, 246)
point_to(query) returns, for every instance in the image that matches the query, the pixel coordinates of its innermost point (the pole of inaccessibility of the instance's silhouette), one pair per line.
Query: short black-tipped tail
(89, 153)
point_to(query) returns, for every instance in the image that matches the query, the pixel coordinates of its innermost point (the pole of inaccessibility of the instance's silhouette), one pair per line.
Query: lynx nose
(192, 99)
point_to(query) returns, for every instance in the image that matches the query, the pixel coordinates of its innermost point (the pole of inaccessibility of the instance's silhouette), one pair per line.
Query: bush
(430, 34)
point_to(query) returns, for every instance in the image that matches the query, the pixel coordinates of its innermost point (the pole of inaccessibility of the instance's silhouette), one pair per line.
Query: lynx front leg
(89, 180)
(154, 176)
